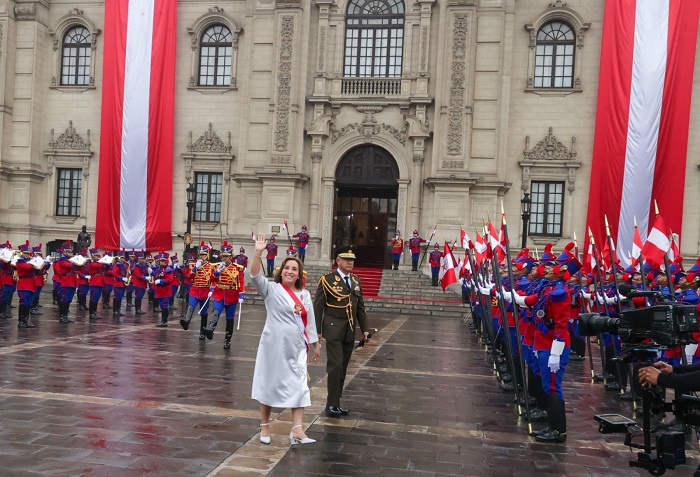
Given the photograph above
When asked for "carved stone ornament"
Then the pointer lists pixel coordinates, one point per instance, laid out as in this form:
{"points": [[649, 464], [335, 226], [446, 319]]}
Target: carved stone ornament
{"points": [[210, 142], [321, 47], [25, 12], [70, 140], [284, 83], [368, 128], [280, 160], [549, 148], [458, 73], [452, 165], [316, 156], [418, 158]]}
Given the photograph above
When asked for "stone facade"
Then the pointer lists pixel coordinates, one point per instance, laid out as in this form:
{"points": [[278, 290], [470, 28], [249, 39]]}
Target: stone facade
{"points": [[461, 122]]}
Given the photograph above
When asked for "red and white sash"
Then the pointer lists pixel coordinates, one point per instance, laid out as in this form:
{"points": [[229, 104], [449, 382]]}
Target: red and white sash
{"points": [[299, 313]]}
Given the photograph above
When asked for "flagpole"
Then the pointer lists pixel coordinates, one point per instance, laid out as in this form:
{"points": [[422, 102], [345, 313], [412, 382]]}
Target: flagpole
{"points": [[671, 290], [584, 307], [604, 310], [427, 247], [516, 315], [611, 248]]}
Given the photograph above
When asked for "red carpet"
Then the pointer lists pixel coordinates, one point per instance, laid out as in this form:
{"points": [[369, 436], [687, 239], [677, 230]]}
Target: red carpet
{"points": [[371, 280]]}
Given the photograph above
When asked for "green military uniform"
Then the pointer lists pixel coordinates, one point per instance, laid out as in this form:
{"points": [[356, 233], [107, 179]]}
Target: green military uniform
{"points": [[339, 309]]}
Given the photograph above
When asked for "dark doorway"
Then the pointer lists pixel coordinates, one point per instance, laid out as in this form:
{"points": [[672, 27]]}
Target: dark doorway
{"points": [[365, 204]]}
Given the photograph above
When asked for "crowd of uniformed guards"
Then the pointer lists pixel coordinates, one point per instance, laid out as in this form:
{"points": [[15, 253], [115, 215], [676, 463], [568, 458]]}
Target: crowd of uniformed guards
{"points": [[550, 291]]}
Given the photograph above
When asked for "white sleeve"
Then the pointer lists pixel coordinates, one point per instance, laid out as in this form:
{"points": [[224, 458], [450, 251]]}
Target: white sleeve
{"points": [[311, 332], [261, 284]]}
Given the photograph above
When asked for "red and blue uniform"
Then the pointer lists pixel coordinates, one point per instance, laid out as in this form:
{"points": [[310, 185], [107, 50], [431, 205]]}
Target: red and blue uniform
{"points": [[303, 242]]}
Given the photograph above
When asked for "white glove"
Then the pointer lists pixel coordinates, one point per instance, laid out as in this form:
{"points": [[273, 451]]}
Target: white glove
{"points": [[149, 279], [221, 266], [553, 363], [610, 300], [587, 296], [88, 277], [690, 350], [124, 279], [507, 296], [485, 290], [198, 264], [150, 270], [520, 300], [160, 281]]}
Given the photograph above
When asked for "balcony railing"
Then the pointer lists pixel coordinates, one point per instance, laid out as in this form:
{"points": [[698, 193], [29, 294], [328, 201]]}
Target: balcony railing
{"points": [[371, 86]]}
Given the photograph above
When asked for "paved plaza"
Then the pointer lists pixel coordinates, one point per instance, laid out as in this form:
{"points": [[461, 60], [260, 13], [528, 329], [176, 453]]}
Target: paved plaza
{"points": [[123, 398]]}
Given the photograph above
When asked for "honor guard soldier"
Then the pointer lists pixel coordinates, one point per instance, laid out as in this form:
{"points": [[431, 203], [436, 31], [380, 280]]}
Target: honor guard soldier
{"points": [[339, 307], [229, 291], [39, 279], [414, 245], [56, 280], [241, 258], [434, 258], [140, 276], [120, 274], [397, 249], [179, 276], [291, 252], [199, 292], [109, 282], [96, 277], [271, 255], [551, 308], [163, 284], [69, 281], [7, 277], [83, 283], [187, 271], [26, 289], [303, 237]]}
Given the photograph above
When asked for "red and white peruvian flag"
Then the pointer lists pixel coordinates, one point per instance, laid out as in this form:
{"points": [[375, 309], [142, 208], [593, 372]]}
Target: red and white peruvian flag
{"points": [[134, 195], [637, 245], [642, 120], [480, 249], [658, 243], [447, 272], [464, 239]]}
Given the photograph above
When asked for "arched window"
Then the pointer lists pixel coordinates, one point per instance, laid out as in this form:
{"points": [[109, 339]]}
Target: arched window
{"points": [[374, 38], [554, 56], [215, 56], [76, 55]]}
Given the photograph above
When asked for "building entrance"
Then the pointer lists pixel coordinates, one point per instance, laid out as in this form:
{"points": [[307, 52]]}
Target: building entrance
{"points": [[365, 205]]}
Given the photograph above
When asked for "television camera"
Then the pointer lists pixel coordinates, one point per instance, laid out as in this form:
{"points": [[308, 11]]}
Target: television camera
{"points": [[642, 333]]}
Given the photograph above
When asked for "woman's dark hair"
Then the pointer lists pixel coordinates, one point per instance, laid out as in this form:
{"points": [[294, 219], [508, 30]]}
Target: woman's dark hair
{"points": [[298, 284]]}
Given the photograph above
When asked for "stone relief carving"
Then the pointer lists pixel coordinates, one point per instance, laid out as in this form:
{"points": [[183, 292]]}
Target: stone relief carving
{"points": [[424, 48], [25, 12], [460, 29], [316, 156], [70, 139], [550, 148], [321, 48], [210, 142], [418, 158], [369, 127], [281, 160], [452, 165], [2, 32], [284, 83]]}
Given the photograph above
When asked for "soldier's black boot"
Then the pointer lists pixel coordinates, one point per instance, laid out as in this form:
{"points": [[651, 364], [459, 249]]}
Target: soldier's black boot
{"points": [[93, 311], [129, 300], [3, 310], [24, 317], [203, 325], [185, 322], [82, 302], [435, 278], [209, 331], [414, 266], [229, 334], [163, 318], [557, 421], [54, 294], [63, 310], [138, 307], [116, 308], [172, 301]]}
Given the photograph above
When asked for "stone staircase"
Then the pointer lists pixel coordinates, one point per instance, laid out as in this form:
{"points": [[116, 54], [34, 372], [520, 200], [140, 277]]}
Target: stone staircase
{"points": [[401, 292]]}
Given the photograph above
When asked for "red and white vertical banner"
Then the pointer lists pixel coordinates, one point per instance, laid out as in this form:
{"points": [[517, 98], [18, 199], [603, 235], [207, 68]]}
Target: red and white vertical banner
{"points": [[134, 196], [641, 134]]}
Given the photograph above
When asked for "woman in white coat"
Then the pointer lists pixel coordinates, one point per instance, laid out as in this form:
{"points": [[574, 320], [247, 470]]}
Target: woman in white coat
{"points": [[280, 378]]}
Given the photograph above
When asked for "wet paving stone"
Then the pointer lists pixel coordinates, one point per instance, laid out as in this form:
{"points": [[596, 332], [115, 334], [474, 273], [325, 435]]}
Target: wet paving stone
{"points": [[123, 398]]}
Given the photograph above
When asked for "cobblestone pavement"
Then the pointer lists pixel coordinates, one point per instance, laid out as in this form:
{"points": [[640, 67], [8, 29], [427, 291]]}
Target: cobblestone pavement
{"points": [[119, 397]]}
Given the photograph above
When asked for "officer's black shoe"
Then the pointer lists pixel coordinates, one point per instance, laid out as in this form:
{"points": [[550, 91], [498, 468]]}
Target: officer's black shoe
{"points": [[35, 311], [551, 436], [613, 386], [531, 401], [209, 333], [140, 312], [344, 412], [201, 335], [541, 431], [507, 387], [227, 344], [162, 324], [65, 319], [506, 378], [185, 324], [333, 411], [626, 396], [93, 316], [576, 357]]}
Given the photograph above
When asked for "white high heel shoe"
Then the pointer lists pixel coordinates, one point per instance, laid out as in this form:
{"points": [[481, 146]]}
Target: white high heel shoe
{"points": [[264, 440], [294, 441]]}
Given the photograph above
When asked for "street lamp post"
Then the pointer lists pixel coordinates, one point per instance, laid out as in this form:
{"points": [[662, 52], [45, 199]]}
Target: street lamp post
{"points": [[191, 189], [525, 203]]}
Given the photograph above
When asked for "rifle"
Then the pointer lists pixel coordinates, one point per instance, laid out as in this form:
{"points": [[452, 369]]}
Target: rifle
{"points": [[427, 247]]}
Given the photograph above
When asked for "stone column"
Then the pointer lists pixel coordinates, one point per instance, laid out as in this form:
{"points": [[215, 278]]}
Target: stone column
{"points": [[327, 230], [416, 190], [314, 205]]}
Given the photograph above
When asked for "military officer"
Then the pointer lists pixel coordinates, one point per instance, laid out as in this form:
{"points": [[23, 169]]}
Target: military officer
{"points": [[303, 237], [69, 281], [26, 289], [228, 293], [241, 258], [199, 292], [339, 307]]}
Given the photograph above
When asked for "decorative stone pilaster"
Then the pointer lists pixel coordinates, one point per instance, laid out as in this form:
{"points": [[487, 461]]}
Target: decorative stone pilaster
{"points": [[418, 133]]}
